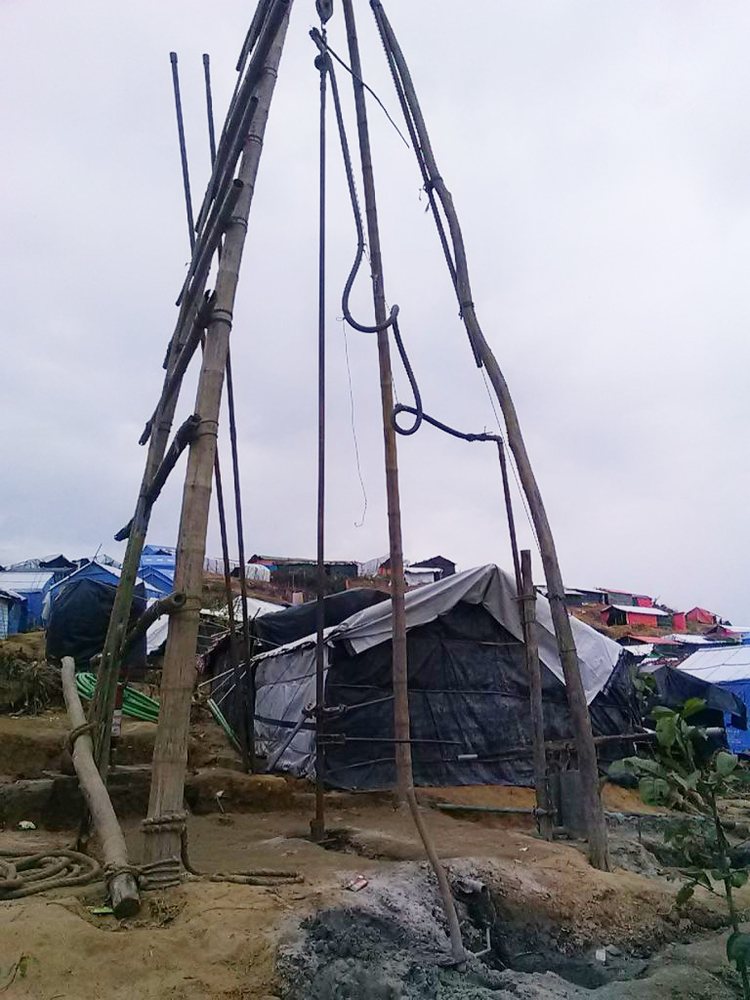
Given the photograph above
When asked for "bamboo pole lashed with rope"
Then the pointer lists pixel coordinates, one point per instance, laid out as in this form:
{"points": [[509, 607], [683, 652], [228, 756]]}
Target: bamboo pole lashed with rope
{"points": [[161, 829], [404, 776], [455, 253]]}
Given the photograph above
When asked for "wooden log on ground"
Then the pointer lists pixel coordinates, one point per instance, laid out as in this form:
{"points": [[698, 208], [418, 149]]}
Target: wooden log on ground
{"points": [[123, 888]]}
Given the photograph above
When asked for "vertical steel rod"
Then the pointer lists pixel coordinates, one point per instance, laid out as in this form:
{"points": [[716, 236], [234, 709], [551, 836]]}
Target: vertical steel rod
{"points": [[318, 824], [509, 514], [234, 660], [209, 107], [527, 598], [183, 148], [247, 691]]}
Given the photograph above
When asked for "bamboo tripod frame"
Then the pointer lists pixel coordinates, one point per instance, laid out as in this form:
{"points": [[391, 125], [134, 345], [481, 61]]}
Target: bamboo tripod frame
{"points": [[227, 219]]}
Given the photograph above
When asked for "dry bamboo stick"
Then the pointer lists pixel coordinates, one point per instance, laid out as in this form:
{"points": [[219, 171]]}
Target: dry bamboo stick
{"points": [[404, 775], [123, 888], [170, 751], [592, 804]]}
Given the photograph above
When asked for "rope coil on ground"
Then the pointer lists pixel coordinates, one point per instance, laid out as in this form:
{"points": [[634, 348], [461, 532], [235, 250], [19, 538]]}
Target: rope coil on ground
{"points": [[23, 874]]}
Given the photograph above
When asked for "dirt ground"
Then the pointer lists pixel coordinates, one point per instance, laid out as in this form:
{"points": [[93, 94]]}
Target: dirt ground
{"points": [[545, 910], [222, 940]]}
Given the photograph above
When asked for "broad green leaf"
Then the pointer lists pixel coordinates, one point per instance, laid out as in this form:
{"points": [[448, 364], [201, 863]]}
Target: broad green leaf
{"points": [[692, 706], [655, 791], [684, 894], [692, 780], [725, 763], [662, 712], [643, 765], [697, 875], [666, 731], [738, 878], [619, 767]]}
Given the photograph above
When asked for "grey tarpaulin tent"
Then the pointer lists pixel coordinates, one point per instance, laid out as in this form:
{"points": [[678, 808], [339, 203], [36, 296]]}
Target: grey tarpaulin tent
{"points": [[467, 688]]}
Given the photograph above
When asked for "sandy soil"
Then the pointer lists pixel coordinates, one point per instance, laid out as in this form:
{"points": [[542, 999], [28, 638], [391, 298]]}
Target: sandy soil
{"points": [[220, 940]]}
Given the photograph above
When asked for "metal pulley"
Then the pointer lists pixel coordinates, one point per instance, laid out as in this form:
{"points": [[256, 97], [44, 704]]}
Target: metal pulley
{"points": [[324, 9]]}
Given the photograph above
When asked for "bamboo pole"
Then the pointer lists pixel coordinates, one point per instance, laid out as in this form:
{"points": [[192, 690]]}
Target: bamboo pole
{"points": [[581, 722], [123, 888], [398, 583], [164, 606], [189, 326], [527, 597], [170, 751], [233, 645], [404, 775]]}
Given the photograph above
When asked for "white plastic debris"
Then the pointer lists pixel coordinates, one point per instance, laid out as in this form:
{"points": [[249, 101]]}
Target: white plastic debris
{"points": [[601, 955], [357, 883], [26, 824]]}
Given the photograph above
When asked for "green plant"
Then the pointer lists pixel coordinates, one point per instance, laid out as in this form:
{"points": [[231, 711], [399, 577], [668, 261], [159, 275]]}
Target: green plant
{"points": [[684, 774]]}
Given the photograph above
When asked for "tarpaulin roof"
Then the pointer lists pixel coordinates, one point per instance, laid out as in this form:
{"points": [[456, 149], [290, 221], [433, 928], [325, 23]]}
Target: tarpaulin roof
{"points": [[496, 592], [729, 663], [635, 609], [26, 582]]}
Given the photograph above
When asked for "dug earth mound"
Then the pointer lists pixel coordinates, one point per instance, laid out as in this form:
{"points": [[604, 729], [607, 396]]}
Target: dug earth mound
{"points": [[391, 943]]}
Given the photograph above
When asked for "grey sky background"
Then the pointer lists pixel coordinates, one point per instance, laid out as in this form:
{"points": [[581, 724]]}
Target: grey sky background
{"points": [[599, 157]]}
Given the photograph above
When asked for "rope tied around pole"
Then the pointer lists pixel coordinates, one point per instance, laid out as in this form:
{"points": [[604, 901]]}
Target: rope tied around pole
{"points": [[87, 727]]}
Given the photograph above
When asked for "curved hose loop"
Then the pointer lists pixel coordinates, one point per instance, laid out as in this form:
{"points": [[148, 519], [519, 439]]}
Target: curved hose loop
{"points": [[360, 252]]}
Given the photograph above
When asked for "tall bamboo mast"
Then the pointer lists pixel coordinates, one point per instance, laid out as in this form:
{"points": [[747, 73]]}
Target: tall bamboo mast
{"points": [[178, 677], [456, 258], [404, 779], [404, 775]]}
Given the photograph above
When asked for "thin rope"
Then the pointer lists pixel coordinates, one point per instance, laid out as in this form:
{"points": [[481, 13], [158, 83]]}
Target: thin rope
{"points": [[320, 40], [357, 524]]}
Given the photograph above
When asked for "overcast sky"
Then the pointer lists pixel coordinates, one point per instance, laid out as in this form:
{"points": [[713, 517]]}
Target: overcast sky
{"points": [[599, 156]]}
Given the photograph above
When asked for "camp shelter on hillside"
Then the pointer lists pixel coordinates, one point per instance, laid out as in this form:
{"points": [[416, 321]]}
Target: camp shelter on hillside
{"points": [[640, 617], [468, 691], [160, 579], [32, 586], [102, 574], [722, 708], [79, 618], [11, 610], [727, 666], [273, 629]]}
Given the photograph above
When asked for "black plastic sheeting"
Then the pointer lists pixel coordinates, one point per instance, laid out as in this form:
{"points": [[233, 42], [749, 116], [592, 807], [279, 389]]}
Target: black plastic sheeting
{"points": [[281, 627], [278, 629], [675, 687], [468, 694], [78, 623]]}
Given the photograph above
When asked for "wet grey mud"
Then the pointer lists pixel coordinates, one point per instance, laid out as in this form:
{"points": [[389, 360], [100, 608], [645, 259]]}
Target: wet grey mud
{"points": [[390, 944]]}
